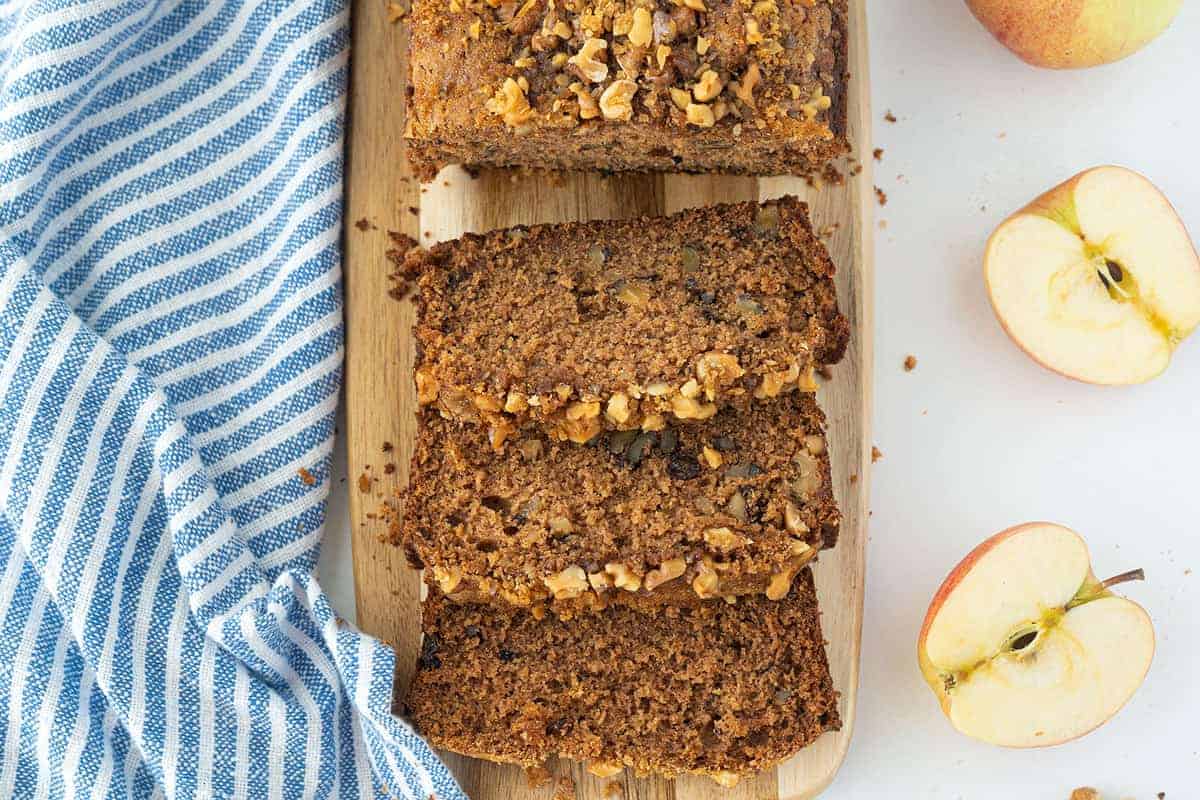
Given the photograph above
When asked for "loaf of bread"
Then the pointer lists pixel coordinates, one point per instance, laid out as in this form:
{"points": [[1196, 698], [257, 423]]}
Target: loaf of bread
{"points": [[716, 689], [741, 86], [624, 324], [736, 506]]}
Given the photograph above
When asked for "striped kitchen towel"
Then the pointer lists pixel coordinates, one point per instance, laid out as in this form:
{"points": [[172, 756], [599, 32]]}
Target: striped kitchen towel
{"points": [[170, 358]]}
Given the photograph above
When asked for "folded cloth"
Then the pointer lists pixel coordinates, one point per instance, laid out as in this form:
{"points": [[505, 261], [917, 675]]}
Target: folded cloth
{"points": [[170, 358]]}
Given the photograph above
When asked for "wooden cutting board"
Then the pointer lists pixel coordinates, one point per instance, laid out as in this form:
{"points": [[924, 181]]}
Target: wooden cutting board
{"points": [[380, 401]]}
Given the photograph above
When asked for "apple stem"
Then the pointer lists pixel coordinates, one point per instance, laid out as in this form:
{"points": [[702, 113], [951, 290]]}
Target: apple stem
{"points": [[1125, 577]]}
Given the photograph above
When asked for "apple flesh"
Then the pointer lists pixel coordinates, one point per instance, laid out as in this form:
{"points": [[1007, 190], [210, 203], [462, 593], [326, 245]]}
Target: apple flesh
{"points": [[1024, 647], [1096, 279], [1070, 34]]}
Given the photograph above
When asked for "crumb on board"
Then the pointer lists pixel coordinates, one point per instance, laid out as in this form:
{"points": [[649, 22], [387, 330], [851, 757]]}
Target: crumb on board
{"points": [[854, 478], [306, 477], [825, 372], [396, 12], [387, 447], [364, 483], [389, 468], [878, 154], [881, 196], [889, 116], [565, 790], [363, 224], [883, 224], [1085, 793], [876, 454], [832, 176], [414, 211], [537, 777], [910, 363]]}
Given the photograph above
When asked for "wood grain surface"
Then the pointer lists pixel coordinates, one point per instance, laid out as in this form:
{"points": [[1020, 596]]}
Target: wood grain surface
{"points": [[380, 400]]}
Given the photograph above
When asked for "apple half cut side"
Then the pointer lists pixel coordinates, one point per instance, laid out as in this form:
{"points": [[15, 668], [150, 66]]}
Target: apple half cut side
{"points": [[1096, 279], [1024, 647]]}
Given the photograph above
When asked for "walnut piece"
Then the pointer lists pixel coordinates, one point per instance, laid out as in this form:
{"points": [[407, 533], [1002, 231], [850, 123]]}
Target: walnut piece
{"points": [[618, 408], [669, 570], [700, 115], [641, 32], [510, 104], [708, 87], [616, 102], [589, 60], [723, 539], [568, 584], [623, 577], [447, 578]]}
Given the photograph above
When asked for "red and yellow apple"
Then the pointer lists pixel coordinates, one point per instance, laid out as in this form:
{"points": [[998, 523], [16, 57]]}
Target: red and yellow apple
{"points": [[1024, 647], [1096, 279], [1069, 34]]}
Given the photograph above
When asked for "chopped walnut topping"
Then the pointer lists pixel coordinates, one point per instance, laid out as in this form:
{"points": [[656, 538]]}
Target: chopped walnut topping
{"points": [[713, 458], [510, 103], [723, 539], [447, 579], [616, 102], [744, 89], [753, 35], [589, 60], [700, 115], [708, 87], [688, 408], [600, 582], [781, 582], [427, 386], [578, 411], [588, 108], [793, 520], [661, 54], [668, 571], [623, 577], [707, 583], [641, 31], [680, 98], [568, 584], [618, 408]]}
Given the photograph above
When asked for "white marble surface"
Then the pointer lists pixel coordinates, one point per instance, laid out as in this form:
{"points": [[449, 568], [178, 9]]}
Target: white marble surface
{"points": [[978, 437]]}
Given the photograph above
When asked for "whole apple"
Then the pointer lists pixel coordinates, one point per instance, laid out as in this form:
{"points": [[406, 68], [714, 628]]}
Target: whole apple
{"points": [[1071, 34]]}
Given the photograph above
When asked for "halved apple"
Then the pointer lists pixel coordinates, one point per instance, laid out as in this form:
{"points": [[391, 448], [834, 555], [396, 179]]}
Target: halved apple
{"points": [[1096, 279], [1024, 647]]}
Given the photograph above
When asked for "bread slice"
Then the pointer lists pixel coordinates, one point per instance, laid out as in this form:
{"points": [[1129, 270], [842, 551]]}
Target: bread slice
{"points": [[623, 324], [716, 689], [706, 86], [737, 506]]}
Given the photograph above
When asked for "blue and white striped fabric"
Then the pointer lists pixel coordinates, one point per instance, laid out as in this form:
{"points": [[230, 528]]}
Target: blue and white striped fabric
{"points": [[170, 357]]}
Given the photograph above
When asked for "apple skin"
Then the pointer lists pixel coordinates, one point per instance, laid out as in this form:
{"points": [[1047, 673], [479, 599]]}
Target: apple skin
{"points": [[1092, 587], [1074, 34], [1058, 204]]}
